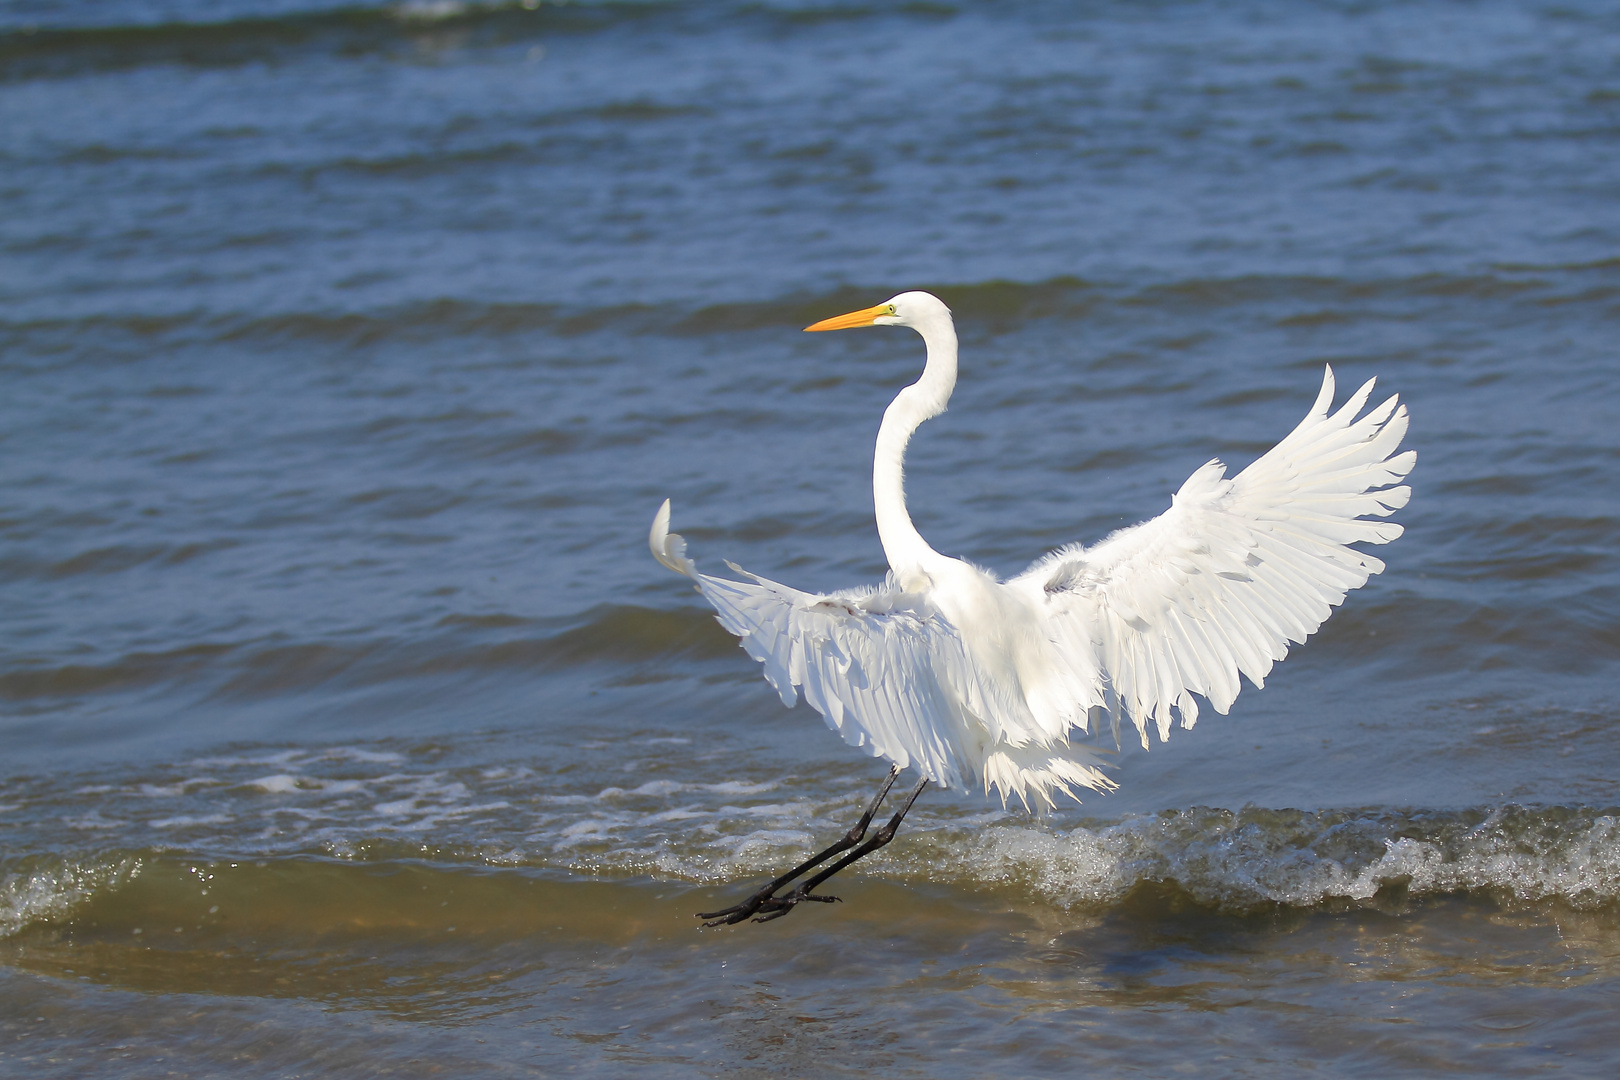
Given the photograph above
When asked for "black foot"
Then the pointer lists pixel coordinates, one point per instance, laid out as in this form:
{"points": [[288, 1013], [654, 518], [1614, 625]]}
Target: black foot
{"points": [[765, 905]]}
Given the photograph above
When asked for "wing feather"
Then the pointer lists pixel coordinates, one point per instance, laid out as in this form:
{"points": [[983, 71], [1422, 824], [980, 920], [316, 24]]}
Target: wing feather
{"points": [[874, 663], [1236, 570]]}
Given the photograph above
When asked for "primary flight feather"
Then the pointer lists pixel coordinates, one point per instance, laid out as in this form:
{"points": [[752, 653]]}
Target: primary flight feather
{"points": [[973, 680]]}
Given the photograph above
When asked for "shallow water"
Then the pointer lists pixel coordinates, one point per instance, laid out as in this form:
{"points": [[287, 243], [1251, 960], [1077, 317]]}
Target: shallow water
{"points": [[347, 728]]}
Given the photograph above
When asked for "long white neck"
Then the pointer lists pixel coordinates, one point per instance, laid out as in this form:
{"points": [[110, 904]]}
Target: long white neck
{"points": [[910, 557]]}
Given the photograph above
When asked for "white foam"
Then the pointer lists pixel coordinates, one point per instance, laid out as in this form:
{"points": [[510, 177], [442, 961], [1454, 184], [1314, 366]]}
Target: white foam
{"points": [[657, 788], [681, 813], [589, 829], [653, 789], [430, 10], [510, 857], [771, 840], [738, 787], [43, 895], [463, 811], [355, 753], [182, 787], [281, 757], [279, 784], [340, 787], [93, 821], [795, 811]]}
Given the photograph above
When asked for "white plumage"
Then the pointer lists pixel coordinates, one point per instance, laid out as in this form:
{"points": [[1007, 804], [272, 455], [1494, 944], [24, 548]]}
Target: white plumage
{"points": [[974, 680]]}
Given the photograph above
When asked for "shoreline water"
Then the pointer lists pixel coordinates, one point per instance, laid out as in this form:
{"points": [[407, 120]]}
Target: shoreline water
{"points": [[349, 349]]}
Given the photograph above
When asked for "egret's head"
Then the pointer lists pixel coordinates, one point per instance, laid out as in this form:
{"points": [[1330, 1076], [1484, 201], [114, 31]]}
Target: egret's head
{"points": [[914, 309]]}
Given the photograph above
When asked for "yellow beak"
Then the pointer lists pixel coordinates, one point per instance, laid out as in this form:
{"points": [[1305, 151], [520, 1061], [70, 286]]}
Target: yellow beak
{"points": [[864, 317]]}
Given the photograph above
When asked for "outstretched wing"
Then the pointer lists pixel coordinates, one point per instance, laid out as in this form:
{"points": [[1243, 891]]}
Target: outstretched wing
{"points": [[1235, 570], [874, 663]]}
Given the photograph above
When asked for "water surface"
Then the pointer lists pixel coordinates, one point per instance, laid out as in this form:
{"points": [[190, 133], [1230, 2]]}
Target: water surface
{"points": [[347, 728]]}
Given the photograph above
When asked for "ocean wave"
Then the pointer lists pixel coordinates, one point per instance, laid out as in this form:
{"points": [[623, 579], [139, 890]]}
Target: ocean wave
{"points": [[1235, 863], [35, 51], [77, 43], [1241, 860], [607, 634], [651, 806], [381, 805], [1404, 637], [994, 302]]}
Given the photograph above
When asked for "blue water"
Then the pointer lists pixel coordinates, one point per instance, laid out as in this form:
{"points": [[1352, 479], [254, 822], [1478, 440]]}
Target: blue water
{"points": [[347, 352]]}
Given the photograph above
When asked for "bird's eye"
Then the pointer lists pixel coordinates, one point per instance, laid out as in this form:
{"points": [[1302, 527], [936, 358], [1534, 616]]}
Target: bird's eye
{"points": [[891, 309]]}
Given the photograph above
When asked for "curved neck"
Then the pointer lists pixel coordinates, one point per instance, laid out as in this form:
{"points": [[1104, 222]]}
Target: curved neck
{"points": [[908, 553]]}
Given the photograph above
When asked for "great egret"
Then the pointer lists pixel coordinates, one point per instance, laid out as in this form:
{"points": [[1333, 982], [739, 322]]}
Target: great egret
{"points": [[968, 678]]}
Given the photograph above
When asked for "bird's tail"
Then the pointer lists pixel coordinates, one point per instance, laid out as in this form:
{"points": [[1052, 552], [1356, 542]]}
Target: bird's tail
{"points": [[1034, 774]]}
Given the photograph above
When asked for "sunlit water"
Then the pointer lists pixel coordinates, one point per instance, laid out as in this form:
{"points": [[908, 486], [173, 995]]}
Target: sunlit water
{"points": [[349, 729]]}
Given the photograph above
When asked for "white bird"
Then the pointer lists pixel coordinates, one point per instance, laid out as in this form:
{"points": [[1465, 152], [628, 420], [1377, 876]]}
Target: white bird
{"points": [[974, 680]]}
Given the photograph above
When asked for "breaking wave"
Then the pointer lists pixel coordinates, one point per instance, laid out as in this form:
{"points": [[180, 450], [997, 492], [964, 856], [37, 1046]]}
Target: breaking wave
{"points": [[1255, 857], [51, 890], [368, 809]]}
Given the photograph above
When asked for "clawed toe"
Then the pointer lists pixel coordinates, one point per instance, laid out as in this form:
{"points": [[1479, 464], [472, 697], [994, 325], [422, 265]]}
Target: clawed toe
{"points": [[726, 921], [722, 918], [734, 914], [763, 908], [778, 906]]}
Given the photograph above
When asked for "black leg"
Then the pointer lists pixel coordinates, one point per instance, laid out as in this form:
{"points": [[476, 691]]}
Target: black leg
{"points": [[737, 913], [774, 907]]}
